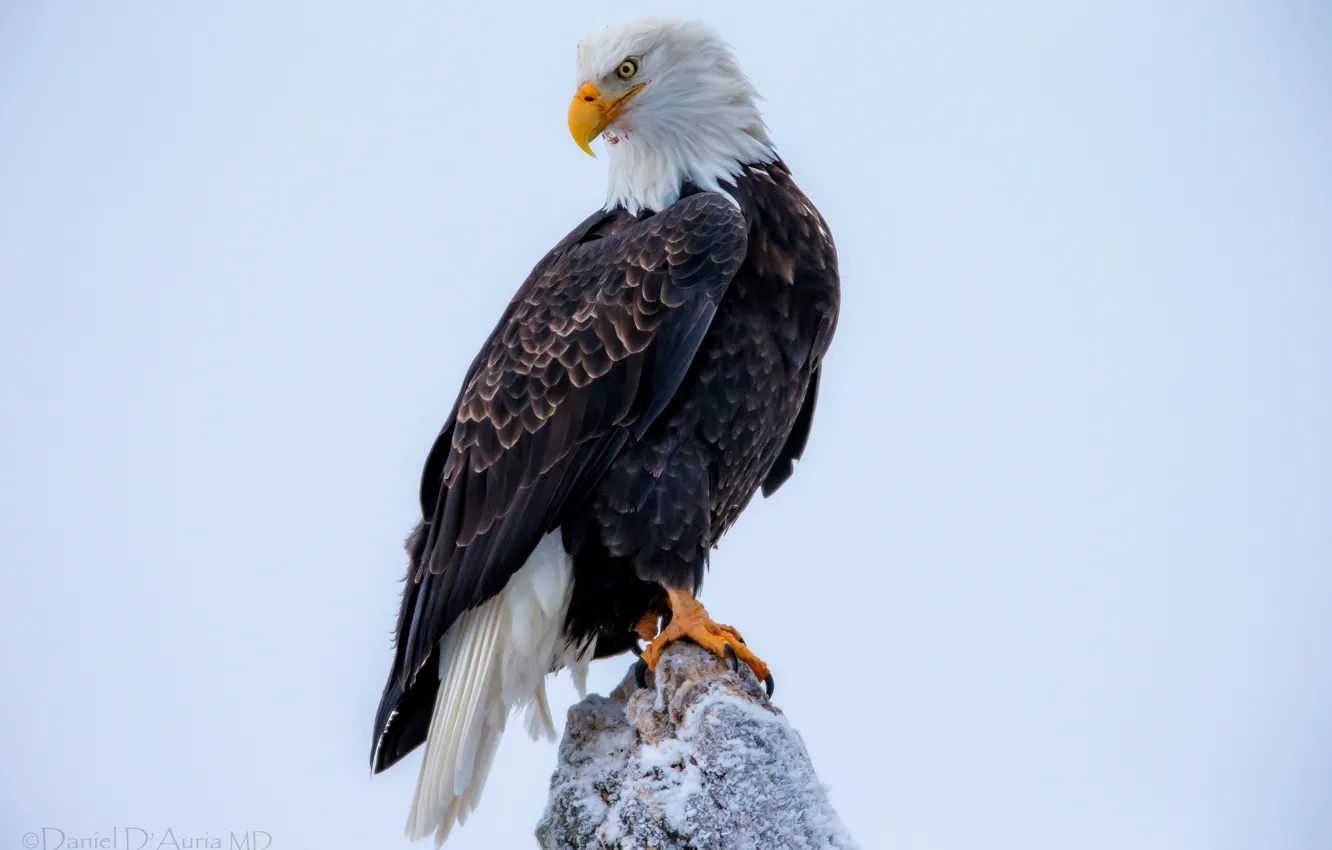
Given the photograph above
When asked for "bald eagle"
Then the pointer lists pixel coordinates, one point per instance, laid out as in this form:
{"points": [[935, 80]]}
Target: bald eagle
{"points": [[657, 368]]}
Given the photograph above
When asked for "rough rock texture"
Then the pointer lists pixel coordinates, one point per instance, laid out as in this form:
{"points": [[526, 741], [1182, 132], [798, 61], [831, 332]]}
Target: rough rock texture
{"points": [[702, 760]]}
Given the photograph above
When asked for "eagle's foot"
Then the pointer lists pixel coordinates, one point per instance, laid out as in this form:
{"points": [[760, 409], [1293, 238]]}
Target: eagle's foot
{"points": [[648, 626], [690, 620]]}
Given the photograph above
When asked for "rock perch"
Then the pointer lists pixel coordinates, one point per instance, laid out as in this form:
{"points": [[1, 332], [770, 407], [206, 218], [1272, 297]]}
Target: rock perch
{"points": [[701, 760]]}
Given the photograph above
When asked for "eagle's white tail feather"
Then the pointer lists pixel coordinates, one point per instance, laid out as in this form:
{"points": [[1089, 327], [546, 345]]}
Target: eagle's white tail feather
{"points": [[466, 693], [492, 660]]}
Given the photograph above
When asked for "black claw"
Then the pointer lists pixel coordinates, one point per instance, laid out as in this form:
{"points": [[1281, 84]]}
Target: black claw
{"points": [[636, 648], [640, 674], [731, 660], [769, 685]]}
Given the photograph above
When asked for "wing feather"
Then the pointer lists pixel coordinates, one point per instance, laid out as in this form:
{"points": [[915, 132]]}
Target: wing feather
{"points": [[795, 444]]}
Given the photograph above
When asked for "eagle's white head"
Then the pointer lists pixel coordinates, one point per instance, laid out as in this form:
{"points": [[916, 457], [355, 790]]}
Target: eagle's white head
{"points": [[672, 105]]}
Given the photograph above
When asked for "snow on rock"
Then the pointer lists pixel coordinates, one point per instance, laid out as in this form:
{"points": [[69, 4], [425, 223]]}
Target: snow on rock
{"points": [[702, 760]]}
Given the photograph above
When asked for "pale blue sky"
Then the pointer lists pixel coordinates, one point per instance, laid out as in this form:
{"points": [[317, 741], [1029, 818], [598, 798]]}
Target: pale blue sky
{"points": [[1056, 571]]}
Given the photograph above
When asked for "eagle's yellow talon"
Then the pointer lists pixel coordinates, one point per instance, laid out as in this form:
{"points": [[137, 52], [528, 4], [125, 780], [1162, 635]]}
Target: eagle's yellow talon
{"points": [[731, 630], [690, 620]]}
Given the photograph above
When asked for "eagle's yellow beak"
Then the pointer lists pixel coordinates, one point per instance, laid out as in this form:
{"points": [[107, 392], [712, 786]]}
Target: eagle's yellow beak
{"points": [[590, 113]]}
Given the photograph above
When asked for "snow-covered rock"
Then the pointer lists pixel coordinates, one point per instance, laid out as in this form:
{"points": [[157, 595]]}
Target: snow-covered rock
{"points": [[702, 760]]}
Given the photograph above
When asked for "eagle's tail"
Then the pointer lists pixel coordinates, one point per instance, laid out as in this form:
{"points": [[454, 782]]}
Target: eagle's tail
{"points": [[493, 659]]}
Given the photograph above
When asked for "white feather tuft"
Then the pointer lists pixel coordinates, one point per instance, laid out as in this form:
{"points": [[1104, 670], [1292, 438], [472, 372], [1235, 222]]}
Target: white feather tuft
{"points": [[540, 725], [578, 670]]}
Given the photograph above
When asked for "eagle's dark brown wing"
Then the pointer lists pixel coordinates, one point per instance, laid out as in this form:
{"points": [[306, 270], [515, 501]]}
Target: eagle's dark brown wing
{"points": [[795, 444], [588, 353]]}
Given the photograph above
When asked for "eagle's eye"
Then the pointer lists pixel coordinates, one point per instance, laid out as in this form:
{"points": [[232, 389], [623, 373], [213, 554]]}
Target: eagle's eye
{"points": [[627, 68]]}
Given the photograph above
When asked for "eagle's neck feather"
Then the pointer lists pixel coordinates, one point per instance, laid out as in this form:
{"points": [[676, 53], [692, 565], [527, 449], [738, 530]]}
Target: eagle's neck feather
{"points": [[702, 140]]}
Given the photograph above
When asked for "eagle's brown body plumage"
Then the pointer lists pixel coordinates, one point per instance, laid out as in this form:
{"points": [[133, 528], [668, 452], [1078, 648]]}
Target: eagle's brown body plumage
{"points": [[651, 375]]}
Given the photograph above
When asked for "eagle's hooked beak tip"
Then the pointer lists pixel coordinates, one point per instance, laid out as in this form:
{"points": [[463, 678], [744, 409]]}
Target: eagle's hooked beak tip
{"points": [[588, 116]]}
